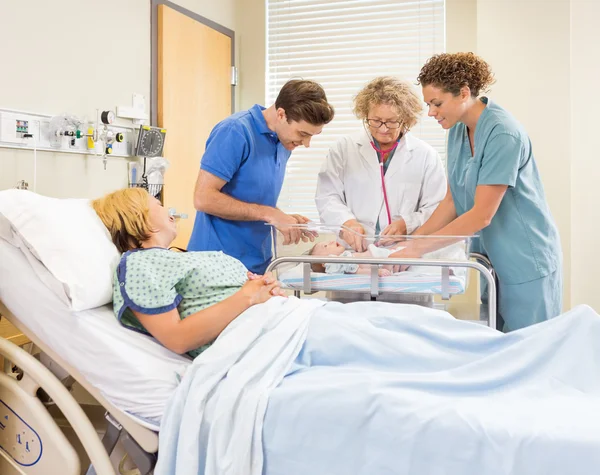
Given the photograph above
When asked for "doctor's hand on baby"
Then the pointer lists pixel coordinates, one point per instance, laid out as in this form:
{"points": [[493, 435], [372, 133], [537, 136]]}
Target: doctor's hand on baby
{"points": [[260, 288], [390, 234], [353, 235]]}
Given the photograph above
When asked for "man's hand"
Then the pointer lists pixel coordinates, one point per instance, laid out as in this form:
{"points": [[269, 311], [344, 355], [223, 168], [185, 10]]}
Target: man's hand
{"points": [[285, 223], [353, 235]]}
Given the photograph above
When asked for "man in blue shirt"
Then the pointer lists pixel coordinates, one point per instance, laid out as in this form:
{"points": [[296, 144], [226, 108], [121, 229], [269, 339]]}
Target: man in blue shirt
{"points": [[242, 172]]}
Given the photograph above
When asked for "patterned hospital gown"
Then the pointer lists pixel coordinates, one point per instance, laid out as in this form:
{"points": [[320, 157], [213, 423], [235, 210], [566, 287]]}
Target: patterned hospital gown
{"points": [[156, 280], [331, 268]]}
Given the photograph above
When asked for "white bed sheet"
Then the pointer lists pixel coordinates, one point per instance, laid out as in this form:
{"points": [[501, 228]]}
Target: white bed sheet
{"points": [[404, 282], [131, 370]]}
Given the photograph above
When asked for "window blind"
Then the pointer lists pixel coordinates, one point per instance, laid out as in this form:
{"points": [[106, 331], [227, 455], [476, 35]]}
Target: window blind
{"points": [[343, 44]]}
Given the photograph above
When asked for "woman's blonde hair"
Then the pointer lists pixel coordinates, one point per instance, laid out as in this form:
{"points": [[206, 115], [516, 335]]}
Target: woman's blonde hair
{"points": [[126, 215], [392, 91]]}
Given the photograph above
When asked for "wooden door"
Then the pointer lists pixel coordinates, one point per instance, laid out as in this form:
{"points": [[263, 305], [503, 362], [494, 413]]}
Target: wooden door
{"points": [[194, 94]]}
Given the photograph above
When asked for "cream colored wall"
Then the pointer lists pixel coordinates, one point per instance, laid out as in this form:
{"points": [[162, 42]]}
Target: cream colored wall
{"points": [[74, 56], [251, 31], [461, 25], [221, 12], [531, 60], [585, 158]]}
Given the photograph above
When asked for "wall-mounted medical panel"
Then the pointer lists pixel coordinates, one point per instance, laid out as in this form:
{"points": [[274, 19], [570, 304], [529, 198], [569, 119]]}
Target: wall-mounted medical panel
{"points": [[66, 133]]}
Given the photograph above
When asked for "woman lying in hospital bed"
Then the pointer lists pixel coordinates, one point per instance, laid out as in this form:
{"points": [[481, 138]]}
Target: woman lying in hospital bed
{"points": [[184, 300], [283, 385]]}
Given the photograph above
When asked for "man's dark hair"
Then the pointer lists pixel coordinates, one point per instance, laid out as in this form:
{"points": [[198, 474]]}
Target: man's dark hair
{"points": [[304, 100]]}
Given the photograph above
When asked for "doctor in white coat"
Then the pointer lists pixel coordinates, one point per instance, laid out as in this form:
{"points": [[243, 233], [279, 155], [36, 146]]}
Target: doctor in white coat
{"points": [[383, 180]]}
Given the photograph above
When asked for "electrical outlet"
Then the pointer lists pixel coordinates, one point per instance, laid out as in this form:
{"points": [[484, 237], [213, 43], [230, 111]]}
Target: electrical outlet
{"points": [[8, 129], [22, 127]]}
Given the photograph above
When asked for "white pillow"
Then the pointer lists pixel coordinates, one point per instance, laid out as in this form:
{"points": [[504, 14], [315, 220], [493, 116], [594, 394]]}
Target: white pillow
{"points": [[67, 236]]}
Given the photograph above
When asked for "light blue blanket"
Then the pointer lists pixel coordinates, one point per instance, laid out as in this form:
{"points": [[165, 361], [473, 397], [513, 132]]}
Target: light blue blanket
{"points": [[382, 388]]}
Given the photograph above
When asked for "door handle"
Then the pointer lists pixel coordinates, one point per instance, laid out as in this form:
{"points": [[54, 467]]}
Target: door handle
{"points": [[173, 212]]}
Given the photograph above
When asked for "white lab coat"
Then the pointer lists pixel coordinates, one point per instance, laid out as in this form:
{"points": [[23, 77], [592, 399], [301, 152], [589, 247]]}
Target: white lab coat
{"points": [[349, 183]]}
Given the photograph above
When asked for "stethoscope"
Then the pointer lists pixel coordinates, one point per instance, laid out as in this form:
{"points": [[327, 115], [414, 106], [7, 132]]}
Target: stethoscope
{"points": [[380, 156]]}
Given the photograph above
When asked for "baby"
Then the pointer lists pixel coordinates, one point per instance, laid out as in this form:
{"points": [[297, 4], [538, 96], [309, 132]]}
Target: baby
{"points": [[334, 248]]}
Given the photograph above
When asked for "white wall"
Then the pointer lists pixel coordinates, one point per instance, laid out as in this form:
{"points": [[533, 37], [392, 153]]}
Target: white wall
{"points": [[221, 12], [75, 56], [585, 158], [527, 44], [461, 26], [251, 31]]}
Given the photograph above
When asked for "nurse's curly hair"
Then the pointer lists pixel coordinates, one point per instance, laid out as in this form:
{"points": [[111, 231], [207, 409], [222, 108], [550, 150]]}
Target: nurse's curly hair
{"points": [[391, 91], [453, 71], [126, 214]]}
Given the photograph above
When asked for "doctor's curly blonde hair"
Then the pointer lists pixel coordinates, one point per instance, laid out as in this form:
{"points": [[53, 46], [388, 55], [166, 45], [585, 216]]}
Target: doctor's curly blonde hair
{"points": [[392, 91], [453, 71]]}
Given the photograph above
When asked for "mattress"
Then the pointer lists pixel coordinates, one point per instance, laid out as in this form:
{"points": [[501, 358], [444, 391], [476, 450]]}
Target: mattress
{"points": [[403, 282], [131, 370]]}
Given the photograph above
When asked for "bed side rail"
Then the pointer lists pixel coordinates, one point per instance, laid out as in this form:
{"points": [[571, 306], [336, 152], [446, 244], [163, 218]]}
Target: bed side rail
{"points": [[34, 436], [146, 438], [445, 265]]}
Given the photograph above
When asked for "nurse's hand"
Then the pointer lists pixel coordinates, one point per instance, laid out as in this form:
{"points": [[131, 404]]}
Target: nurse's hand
{"points": [[396, 228], [354, 239], [409, 252]]}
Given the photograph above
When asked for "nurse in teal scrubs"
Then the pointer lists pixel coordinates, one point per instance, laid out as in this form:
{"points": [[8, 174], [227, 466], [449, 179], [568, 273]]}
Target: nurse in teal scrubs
{"points": [[494, 189]]}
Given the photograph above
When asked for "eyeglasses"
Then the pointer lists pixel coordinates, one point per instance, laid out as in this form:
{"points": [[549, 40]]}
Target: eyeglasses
{"points": [[390, 124]]}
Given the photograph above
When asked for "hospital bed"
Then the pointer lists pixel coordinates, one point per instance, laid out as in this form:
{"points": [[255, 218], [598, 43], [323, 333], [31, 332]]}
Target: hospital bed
{"points": [[129, 374], [118, 384], [443, 273]]}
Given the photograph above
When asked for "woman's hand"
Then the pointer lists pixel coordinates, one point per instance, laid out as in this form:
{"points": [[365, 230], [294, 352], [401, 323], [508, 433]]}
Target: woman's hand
{"points": [[268, 277], [354, 239], [259, 289], [409, 252]]}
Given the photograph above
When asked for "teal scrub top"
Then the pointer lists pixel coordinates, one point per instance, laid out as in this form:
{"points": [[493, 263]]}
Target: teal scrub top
{"points": [[522, 241]]}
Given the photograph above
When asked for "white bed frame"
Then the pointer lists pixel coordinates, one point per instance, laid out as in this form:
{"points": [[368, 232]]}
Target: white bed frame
{"points": [[57, 456]]}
